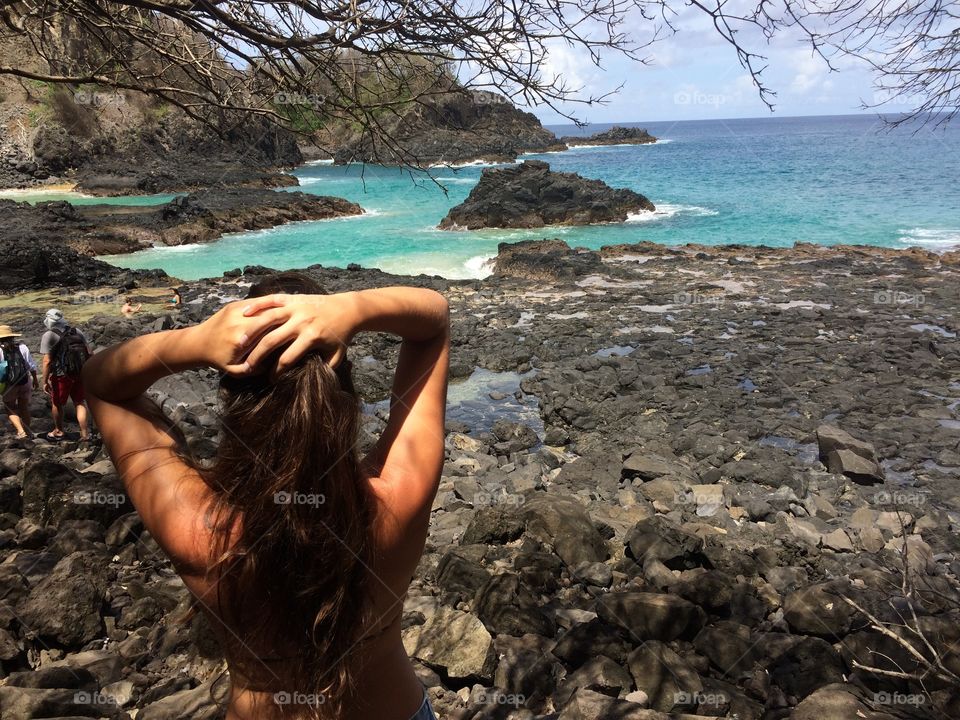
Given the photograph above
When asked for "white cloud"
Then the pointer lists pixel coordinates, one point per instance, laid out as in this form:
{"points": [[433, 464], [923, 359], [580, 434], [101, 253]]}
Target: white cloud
{"points": [[810, 71]]}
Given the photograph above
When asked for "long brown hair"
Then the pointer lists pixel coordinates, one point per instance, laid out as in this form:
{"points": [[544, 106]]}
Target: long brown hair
{"points": [[291, 523]]}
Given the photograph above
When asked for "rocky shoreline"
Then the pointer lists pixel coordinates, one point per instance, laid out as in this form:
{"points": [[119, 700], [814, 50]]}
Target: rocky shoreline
{"points": [[63, 238], [680, 483]]}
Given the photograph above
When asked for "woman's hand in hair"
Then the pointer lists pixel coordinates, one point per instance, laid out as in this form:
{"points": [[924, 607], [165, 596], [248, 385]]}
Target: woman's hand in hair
{"points": [[304, 323], [227, 336]]}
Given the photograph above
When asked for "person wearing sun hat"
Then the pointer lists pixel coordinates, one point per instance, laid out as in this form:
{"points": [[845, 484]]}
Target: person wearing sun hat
{"points": [[16, 370]]}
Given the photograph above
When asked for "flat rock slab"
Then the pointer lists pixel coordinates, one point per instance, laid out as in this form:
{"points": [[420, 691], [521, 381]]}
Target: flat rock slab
{"points": [[454, 641]]}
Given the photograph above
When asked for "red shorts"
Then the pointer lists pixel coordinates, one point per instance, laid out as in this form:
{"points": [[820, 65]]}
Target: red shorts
{"points": [[65, 386]]}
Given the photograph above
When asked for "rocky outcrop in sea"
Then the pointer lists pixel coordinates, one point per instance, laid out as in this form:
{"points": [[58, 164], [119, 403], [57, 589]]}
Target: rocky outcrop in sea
{"points": [[680, 483], [531, 195], [616, 135]]}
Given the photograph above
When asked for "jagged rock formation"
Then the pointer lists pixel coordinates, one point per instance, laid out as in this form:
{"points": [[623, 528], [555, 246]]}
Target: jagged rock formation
{"points": [[531, 195], [614, 136]]}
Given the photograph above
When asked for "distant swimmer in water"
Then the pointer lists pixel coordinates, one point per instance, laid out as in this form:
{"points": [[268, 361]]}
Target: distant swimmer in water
{"points": [[297, 548]]}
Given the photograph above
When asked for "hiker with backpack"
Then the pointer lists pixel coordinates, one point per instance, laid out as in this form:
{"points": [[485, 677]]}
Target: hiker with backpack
{"points": [[18, 380], [64, 351]]}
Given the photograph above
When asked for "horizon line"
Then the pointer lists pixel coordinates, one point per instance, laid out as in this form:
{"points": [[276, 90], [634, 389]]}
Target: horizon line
{"points": [[772, 116]]}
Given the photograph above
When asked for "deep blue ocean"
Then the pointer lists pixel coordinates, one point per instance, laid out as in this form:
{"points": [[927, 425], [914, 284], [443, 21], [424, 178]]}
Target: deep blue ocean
{"points": [[771, 181]]}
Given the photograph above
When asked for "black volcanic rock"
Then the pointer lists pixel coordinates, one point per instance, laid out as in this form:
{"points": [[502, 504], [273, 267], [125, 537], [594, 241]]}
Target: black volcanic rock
{"points": [[177, 156], [686, 524], [531, 195], [615, 136], [50, 244], [544, 260]]}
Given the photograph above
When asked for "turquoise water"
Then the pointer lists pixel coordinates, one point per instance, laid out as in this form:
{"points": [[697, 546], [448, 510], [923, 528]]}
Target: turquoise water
{"points": [[769, 181]]}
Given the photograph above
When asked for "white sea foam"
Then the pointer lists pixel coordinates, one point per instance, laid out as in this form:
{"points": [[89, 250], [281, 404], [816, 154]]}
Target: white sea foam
{"points": [[543, 152], [438, 263], [310, 181], [328, 161], [472, 163], [933, 238], [479, 266], [665, 211], [457, 180], [659, 141]]}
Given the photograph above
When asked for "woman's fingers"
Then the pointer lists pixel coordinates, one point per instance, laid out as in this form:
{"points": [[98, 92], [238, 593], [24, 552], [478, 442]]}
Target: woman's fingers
{"points": [[256, 305], [237, 369], [270, 342], [337, 356], [298, 348], [256, 326]]}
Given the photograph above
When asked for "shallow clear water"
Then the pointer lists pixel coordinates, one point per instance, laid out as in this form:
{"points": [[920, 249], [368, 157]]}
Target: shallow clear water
{"points": [[483, 398], [768, 181]]}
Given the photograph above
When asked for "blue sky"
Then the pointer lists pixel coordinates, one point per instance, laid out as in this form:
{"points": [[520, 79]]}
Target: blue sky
{"points": [[695, 75]]}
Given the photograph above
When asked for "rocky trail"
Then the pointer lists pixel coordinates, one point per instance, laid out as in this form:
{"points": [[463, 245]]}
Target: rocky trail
{"points": [[680, 483]]}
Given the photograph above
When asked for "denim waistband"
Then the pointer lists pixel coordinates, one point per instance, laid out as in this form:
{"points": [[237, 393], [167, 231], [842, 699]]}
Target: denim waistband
{"points": [[426, 710]]}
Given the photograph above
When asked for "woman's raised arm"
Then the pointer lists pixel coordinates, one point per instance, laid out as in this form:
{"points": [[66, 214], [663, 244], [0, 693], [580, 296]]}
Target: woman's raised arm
{"points": [[409, 454], [143, 444], [126, 370]]}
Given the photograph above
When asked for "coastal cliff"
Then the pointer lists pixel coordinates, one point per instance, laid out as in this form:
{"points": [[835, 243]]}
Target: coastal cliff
{"points": [[458, 127]]}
